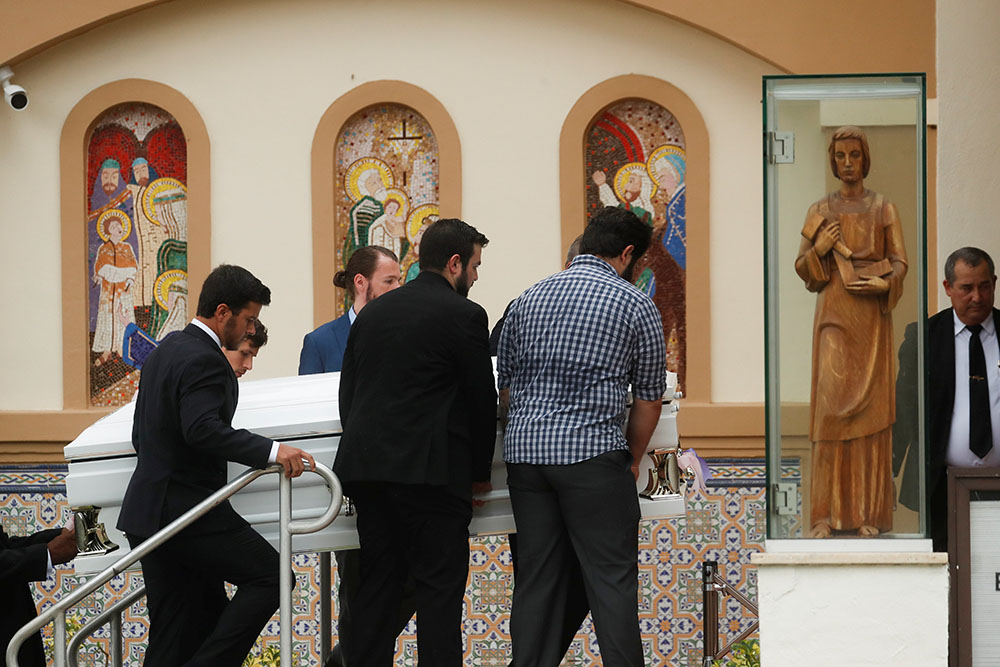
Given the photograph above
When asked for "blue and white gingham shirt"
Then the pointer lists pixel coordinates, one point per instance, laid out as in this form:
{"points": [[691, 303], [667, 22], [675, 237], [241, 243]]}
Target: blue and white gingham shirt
{"points": [[570, 347]]}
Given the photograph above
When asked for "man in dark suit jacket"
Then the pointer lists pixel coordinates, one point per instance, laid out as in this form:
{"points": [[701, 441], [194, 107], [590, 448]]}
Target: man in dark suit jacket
{"points": [[370, 272], [183, 436], [25, 559], [970, 282], [418, 407]]}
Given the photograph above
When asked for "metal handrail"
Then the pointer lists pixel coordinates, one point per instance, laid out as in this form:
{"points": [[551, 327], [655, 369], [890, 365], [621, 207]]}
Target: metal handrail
{"points": [[712, 584], [57, 612]]}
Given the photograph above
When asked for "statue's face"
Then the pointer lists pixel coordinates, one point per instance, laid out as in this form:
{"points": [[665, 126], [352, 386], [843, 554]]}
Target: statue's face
{"points": [[850, 160]]}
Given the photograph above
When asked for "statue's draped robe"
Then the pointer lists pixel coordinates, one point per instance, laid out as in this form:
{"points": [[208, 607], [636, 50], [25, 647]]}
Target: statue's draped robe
{"points": [[852, 406]]}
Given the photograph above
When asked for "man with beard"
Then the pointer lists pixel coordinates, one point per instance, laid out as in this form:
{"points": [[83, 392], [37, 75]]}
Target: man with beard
{"points": [[370, 272], [571, 346], [418, 408], [183, 438]]}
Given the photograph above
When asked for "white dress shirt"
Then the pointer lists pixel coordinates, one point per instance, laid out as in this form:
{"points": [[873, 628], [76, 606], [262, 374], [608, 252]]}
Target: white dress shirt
{"points": [[273, 456], [959, 453]]}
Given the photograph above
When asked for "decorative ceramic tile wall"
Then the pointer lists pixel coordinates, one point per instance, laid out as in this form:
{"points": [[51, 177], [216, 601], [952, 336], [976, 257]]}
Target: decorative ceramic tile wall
{"points": [[726, 524]]}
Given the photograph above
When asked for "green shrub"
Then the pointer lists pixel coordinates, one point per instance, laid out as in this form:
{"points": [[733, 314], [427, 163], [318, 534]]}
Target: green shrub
{"points": [[744, 654]]}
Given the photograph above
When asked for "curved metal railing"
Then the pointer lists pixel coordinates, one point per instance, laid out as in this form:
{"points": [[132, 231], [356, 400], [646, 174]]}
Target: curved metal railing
{"points": [[288, 527]]}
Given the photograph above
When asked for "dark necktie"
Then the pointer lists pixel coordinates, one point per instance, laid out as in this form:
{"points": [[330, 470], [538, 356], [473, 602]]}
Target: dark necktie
{"points": [[980, 426]]}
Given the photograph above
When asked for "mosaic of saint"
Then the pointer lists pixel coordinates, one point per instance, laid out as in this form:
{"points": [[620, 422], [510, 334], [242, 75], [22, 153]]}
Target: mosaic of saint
{"points": [[137, 243], [635, 159], [386, 184]]}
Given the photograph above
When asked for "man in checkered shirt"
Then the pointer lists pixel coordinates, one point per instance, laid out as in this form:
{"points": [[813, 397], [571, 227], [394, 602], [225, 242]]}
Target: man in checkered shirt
{"points": [[570, 348]]}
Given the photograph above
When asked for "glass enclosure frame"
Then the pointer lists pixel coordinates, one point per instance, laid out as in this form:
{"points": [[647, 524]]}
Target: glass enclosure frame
{"points": [[896, 100]]}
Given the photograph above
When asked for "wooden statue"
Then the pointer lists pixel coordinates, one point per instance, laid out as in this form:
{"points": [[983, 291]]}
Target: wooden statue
{"points": [[852, 256]]}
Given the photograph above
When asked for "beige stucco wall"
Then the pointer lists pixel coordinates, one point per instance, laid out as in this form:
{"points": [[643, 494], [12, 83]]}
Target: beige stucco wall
{"points": [[261, 77], [968, 56]]}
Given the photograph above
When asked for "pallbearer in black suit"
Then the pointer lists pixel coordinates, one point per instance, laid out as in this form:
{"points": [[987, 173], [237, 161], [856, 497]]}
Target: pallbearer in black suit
{"points": [[183, 437], [25, 559], [418, 407], [963, 388]]}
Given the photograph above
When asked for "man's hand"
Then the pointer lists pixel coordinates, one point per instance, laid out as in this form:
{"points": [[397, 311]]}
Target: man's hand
{"points": [[62, 548], [635, 470], [291, 459], [478, 489], [599, 178]]}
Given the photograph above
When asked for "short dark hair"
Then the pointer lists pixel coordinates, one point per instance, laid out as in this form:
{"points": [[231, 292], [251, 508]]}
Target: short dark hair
{"points": [[232, 285], [258, 338], [611, 230], [447, 237], [363, 261], [971, 256], [574, 249]]}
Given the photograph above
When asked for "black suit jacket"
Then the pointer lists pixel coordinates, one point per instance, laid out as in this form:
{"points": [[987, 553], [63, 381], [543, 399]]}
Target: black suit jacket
{"points": [[940, 401], [22, 560], [417, 394], [183, 436]]}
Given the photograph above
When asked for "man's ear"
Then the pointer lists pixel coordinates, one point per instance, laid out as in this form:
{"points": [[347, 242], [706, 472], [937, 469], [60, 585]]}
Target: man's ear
{"points": [[454, 265], [222, 310], [359, 283], [627, 253]]}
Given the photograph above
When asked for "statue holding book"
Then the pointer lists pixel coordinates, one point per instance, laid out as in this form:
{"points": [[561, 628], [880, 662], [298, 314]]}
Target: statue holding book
{"points": [[852, 255]]}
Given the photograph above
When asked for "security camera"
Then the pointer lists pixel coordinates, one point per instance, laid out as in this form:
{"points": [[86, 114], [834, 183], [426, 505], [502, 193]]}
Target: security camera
{"points": [[14, 95]]}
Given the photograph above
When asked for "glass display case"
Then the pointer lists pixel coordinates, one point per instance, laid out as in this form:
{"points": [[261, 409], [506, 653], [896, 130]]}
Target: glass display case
{"points": [[845, 275]]}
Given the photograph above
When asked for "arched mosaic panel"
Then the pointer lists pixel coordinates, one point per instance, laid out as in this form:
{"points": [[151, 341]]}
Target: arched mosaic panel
{"points": [[386, 189], [137, 243], [636, 159]]}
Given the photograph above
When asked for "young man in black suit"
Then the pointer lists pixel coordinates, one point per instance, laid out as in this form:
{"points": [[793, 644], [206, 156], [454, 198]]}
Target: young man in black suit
{"points": [[418, 407], [25, 559], [183, 437], [961, 432]]}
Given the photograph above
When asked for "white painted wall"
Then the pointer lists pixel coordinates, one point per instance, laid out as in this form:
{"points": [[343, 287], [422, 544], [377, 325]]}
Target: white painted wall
{"points": [[837, 609], [968, 187], [262, 73]]}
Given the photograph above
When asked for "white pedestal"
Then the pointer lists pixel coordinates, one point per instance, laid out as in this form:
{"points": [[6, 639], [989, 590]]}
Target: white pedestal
{"points": [[848, 607]]}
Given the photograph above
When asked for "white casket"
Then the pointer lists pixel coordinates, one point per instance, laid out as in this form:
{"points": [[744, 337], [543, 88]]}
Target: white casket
{"points": [[300, 410]]}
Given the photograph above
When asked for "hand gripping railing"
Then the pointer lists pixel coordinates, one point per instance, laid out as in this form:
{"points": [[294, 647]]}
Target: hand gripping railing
{"points": [[57, 612]]}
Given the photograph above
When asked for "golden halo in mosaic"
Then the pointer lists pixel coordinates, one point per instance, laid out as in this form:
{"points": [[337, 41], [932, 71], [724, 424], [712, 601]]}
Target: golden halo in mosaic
{"points": [[674, 155], [625, 172], [166, 280], [419, 217], [113, 214], [359, 171], [160, 191], [398, 196]]}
